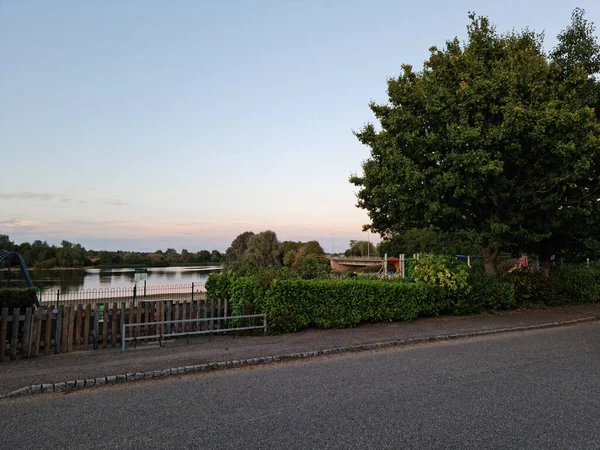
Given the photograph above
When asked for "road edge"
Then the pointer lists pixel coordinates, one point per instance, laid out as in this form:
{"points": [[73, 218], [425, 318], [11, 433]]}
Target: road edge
{"points": [[77, 385]]}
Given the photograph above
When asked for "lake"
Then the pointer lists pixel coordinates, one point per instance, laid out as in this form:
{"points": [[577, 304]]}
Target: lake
{"points": [[111, 278]]}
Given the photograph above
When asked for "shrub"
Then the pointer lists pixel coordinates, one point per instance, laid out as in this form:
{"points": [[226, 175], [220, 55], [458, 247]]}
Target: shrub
{"points": [[575, 285], [440, 271], [313, 266], [486, 294], [567, 285], [218, 286], [531, 288], [292, 305], [409, 268], [17, 298], [245, 294]]}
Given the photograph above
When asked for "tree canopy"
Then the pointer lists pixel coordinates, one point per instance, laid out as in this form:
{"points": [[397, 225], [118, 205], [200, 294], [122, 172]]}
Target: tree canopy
{"points": [[250, 251], [42, 255], [361, 248], [493, 137]]}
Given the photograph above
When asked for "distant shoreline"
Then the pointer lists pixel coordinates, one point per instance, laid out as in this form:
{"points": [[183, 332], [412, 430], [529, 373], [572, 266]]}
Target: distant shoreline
{"points": [[119, 266]]}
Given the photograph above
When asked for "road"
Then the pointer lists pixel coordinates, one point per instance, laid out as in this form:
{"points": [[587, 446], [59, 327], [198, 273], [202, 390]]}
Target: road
{"points": [[535, 389]]}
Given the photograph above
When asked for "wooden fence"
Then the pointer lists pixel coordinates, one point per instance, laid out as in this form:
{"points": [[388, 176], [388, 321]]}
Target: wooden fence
{"points": [[69, 328]]}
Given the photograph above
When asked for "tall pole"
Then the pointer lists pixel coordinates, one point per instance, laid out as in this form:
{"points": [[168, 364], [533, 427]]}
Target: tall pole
{"points": [[368, 245]]}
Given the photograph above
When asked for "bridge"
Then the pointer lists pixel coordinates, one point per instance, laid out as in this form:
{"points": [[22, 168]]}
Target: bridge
{"points": [[349, 263]]}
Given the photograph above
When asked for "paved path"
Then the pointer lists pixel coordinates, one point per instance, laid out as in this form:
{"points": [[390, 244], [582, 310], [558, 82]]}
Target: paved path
{"points": [[150, 357], [535, 389]]}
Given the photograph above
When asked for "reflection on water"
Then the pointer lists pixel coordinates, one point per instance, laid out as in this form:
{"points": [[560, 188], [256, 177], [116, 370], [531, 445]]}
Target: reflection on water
{"points": [[109, 278]]}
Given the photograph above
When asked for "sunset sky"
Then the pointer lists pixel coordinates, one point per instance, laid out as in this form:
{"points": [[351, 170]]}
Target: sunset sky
{"points": [[141, 124]]}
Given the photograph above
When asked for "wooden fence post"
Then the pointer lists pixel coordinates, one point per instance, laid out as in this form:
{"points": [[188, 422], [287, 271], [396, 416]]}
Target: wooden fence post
{"points": [[15, 333], [48, 337], [58, 332], [105, 326], [177, 317], [37, 331], [138, 329], [147, 317], [3, 331], [26, 333], [169, 315], [70, 328], [157, 318], [64, 339], [78, 328], [193, 315], [96, 329], [113, 331], [86, 326], [121, 322], [131, 320]]}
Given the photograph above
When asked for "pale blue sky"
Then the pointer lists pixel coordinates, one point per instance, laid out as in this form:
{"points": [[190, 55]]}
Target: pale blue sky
{"points": [[147, 124]]}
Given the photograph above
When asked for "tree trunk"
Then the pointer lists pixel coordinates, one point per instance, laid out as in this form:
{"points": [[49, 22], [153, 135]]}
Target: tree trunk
{"points": [[546, 264], [489, 261]]}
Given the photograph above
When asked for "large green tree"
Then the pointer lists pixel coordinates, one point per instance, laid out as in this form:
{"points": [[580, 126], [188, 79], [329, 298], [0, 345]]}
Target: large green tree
{"points": [[361, 248], [427, 240], [235, 252], [5, 243], [576, 228], [262, 251], [491, 138]]}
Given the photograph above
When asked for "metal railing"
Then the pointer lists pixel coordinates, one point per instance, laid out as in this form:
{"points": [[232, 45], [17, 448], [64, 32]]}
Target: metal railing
{"points": [[175, 293], [357, 258], [160, 335]]}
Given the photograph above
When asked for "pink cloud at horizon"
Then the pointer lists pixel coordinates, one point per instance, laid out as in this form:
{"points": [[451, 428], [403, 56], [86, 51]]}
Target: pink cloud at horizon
{"points": [[131, 233]]}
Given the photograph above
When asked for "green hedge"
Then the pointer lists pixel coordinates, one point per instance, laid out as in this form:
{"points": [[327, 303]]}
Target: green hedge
{"points": [[486, 294], [576, 285], [292, 305], [17, 298], [218, 286], [245, 294], [566, 286]]}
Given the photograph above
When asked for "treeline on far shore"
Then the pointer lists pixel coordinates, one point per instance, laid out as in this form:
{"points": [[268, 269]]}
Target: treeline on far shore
{"points": [[41, 255]]}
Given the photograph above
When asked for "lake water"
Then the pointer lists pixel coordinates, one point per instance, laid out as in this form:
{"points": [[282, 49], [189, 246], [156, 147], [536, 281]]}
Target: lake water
{"points": [[112, 278]]}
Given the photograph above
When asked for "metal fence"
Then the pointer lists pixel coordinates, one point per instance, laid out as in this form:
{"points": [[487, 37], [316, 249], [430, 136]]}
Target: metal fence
{"points": [[173, 293], [168, 328], [69, 328]]}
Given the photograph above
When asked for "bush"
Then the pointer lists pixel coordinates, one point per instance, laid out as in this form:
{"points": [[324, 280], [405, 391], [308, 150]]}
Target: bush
{"points": [[440, 271], [292, 305], [486, 294], [267, 275], [566, 286], [532, 288], [313, 266], [409, 268], [17, 298], [218, 286], [245, 295], [575, 286]]}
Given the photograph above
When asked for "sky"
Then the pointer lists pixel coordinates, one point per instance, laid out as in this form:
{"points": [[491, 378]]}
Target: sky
{"points": [[141, 124]]}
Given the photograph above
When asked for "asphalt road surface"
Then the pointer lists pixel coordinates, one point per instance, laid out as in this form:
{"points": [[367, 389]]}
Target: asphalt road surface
{"points": [[535, 389]]}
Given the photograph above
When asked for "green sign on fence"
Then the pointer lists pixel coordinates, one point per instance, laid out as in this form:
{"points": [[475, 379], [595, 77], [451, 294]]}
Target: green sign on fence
{"points": [[140, 274]]}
